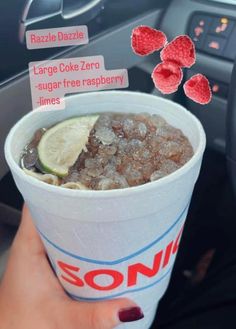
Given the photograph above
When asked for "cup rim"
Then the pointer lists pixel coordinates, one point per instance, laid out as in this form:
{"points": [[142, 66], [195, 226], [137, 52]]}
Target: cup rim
{"points": [[114, 192]]}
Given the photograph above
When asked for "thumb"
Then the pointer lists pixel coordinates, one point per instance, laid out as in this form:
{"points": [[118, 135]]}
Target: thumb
{"points": [[104, 314]]}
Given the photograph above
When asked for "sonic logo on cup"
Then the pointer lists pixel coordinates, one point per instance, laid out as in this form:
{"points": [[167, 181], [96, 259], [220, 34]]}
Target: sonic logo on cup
{"points": [[128, 276]]}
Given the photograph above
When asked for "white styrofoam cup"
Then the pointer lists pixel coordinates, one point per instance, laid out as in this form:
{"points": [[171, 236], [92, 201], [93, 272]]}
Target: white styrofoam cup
{"points": [[117, 243]]}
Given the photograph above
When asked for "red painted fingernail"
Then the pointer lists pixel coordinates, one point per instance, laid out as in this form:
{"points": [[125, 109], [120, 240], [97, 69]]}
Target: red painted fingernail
{"points": [[131, 314]]}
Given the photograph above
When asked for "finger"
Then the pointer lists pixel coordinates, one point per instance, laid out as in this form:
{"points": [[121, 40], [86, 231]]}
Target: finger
{"points": [[27, 235], [105, 314], [28, 255]]}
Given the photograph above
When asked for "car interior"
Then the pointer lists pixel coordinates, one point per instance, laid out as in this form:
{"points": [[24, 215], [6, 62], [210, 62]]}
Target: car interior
{"points": [[202, 291]]}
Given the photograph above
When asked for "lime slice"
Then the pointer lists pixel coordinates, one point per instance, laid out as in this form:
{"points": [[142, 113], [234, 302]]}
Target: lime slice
{"points": [[61, 145]]}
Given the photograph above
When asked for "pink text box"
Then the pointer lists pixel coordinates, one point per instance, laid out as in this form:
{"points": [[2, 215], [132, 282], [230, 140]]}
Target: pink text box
{"points": [[57, 37], [51, 80]]}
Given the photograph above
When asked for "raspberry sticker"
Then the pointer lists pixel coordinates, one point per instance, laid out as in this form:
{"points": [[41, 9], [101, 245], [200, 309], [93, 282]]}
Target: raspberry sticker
{"points": [[181, 51], [145, 40], [177, 54], [167, 76], [198, 89]]}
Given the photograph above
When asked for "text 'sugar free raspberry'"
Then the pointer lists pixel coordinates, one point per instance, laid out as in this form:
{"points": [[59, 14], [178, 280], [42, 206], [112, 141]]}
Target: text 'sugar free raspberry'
{"points": [[145, 40], [198, 89], [167, 76]]}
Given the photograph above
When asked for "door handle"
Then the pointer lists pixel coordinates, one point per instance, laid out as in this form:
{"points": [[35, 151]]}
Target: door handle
{"points": [[71, 11], [39, 10], [35, 11]]}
